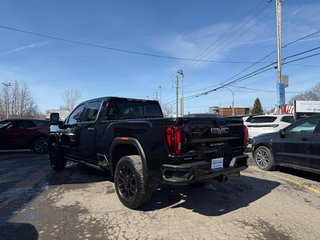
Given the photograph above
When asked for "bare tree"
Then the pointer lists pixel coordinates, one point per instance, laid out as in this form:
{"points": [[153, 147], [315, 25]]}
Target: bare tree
{"points": [[16, 101], [313, 94], [167, 109], [70, 98]]}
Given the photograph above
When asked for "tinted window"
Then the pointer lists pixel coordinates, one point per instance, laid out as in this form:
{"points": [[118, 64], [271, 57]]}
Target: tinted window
{"points": [[91, 111], [304, 127], [263, 119], [127, 110], [23, 124], [76, 115], [44, 124], [288, 119], [6, 124]]}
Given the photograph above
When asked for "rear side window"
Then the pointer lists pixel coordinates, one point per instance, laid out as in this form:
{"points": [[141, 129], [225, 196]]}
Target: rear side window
{"points": [[263, 119], [91, 111], [288, 119], [132, 110], [42, 124], [23, 124]]}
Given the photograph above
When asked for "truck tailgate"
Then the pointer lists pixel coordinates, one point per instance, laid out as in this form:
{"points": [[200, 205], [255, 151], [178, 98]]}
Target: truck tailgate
{"points": [[212, 137]]}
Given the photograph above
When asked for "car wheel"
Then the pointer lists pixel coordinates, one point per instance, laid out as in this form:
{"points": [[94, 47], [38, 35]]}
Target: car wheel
{"points": [[57, 161], [264, 158], [40, 145], [130, 183]]}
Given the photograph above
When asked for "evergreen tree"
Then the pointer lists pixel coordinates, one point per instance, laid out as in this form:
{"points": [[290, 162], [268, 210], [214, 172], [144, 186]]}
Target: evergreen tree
{"points": [[257, 108]]}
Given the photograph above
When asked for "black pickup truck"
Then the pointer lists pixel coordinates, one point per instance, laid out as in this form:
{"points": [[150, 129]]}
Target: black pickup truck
{"points": [[131, 139]]}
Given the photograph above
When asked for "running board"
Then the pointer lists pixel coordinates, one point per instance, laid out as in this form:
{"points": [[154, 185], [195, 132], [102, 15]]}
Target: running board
{"points": [[85, 163], [103, 161]]}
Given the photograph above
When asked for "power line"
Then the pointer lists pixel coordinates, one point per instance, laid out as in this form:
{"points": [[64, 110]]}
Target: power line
{"points": [[260, 90], [223, 45], [119, 49], [189, 64], [229, 31], [257, 72]]}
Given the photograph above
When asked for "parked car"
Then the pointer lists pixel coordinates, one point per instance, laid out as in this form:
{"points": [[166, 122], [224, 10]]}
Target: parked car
{"points": [[24, 133], [267, 123], [296, 146]]}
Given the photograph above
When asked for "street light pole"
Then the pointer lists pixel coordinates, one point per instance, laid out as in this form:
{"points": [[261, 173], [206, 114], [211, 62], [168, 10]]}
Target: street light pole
{"points": [[7, 85]]}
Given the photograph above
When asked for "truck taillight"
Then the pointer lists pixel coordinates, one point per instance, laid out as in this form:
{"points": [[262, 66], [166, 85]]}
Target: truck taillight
{"points": [[173, 135], [245, 135]]}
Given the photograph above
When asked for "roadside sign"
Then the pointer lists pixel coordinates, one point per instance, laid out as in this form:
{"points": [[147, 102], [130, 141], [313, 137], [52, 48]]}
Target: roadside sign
{"points": [[281, 94]]}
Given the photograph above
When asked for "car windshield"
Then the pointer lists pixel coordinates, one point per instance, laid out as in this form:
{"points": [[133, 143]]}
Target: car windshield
{"points": [[4, 125]]}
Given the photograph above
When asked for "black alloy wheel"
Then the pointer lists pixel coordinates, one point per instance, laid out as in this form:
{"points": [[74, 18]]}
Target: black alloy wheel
{"points": [[131, 188], [127, 183]]}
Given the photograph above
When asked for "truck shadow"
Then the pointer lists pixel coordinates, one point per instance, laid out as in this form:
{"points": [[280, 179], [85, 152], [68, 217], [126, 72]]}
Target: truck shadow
{"points": [[11, 231], [213, 199], [75, 173]]}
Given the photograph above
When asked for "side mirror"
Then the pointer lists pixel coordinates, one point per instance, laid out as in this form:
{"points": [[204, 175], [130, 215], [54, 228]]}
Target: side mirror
{"points": [[282, 133], [54, 119]]}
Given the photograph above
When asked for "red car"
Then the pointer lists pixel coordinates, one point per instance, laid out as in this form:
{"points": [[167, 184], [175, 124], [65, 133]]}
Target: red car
{"points": [[24, 133]]}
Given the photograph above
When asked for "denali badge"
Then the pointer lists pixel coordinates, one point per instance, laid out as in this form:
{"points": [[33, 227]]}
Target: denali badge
{"points": [[220, 130]]}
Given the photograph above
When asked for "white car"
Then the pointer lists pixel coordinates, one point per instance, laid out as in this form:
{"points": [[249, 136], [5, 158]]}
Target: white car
{"points": [[268, 123]]}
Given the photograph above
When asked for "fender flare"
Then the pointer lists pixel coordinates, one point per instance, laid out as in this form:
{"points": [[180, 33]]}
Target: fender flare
{"points": [[133, 142]]}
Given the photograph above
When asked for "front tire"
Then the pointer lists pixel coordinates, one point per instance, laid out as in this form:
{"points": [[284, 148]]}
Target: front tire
{"points": [[264, 158], [130, 183], [57, 161]]}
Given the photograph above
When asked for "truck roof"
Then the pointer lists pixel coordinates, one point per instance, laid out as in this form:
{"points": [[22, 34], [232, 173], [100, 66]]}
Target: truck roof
{"points": [[108, 98]]}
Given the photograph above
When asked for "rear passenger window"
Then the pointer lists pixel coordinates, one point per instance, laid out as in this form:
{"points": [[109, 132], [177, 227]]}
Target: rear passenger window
{"points": [[43, 124], [263, 119], [24, 124]]}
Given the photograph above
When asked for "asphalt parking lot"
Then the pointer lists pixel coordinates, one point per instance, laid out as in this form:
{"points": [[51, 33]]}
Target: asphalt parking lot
{"points": [[80, 203]]}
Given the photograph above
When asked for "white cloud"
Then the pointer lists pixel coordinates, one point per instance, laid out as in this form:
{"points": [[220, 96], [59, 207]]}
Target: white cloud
{"points": [[32, 45]]}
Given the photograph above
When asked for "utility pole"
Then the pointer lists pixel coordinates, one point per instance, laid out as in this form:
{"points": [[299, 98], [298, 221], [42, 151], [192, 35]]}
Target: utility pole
{"points": [[180, 72], [6, 92], [233, 112], [177, 96], [280, 86]]}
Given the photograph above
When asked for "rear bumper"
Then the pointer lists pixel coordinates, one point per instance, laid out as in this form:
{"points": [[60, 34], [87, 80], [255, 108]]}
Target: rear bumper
{"points": [[184, 174]]}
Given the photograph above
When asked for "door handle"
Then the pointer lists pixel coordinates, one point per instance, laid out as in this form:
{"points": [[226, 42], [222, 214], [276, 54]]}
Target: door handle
{"points": [[91, 129], [305, 139]]}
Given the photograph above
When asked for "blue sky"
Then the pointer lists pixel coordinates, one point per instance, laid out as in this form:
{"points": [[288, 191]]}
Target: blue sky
{"points": [[203, 29]]}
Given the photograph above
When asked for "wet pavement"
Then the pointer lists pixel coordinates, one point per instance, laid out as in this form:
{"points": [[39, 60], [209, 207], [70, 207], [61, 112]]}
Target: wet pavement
{"points": [[81, 203]]}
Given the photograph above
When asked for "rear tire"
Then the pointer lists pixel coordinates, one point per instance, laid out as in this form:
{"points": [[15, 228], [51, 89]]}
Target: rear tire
{"points": [[57, 161], [264, 158], [40, 145], [130, 183]]}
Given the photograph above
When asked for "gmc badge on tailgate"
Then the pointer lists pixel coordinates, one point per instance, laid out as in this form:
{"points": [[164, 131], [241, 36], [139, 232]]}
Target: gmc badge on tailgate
{"points": [[220, 130]]}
